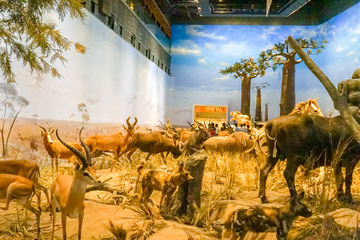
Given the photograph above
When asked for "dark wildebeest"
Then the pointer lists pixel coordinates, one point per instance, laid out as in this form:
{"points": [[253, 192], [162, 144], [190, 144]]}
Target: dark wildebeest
{"points": [[299, 137]]}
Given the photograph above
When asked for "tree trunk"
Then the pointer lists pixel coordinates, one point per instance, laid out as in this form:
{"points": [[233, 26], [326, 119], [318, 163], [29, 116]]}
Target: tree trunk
{"points": [[266, 112], [188, 198], [245, 95], [287, 102], [258, 105]]}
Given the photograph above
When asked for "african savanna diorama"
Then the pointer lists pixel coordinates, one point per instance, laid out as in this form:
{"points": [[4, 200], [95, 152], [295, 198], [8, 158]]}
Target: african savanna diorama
{"points": [[153, 119]]}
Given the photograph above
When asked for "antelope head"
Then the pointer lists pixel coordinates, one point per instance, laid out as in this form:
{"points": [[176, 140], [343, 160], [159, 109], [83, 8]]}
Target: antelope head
{"points": [[131, 127], [80, 172], [47, 133]]}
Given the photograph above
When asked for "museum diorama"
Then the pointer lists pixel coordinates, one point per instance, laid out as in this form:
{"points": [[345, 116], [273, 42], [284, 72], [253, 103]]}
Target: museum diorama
{"points": [[179, 119]]}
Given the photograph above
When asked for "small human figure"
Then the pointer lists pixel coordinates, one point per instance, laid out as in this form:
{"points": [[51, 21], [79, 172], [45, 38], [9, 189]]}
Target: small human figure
{"points": [[216, 129], [223, 127], [236, 128], [243, 128]]}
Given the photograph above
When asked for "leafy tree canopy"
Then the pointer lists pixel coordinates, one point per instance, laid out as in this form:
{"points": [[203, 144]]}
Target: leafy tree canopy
{"points": [[281, 52], [248, 67], [26, 38]]}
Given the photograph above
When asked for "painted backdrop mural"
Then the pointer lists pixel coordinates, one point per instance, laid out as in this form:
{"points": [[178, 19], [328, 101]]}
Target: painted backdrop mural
{"points": [[200, 52]]}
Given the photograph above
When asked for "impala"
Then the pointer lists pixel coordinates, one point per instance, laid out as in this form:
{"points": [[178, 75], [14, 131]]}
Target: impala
{"points": [[68, 192]]}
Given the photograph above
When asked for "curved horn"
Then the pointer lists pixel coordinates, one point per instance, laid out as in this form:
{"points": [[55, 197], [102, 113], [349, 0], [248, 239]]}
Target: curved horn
{"points": [[127, 122], [190, 124], [86, 148], [42, 128], [75, 151], [135, 122], [49, 126]]}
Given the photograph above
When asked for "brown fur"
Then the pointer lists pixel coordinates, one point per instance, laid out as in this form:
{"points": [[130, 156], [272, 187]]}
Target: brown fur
{"points": [[185, 135], [260, 219], [116, 142], [157, 180]]}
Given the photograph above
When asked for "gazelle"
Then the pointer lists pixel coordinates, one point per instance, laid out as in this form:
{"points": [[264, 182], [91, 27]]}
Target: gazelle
{"points": [[20, 189], [68, 192], [25, 169], [56, 150]]}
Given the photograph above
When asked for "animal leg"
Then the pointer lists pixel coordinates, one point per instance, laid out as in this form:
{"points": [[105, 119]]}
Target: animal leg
{"points": [[80, 220], [44, 189], [131, 153], [148, 156], [264, 172], [289, 175], [57, 164], [163, 157], [348, 181], [63, 223], [53, 212], [339, 182], [37, 214]]}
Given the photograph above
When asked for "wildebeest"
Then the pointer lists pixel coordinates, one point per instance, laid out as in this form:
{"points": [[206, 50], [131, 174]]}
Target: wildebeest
{"points": [[152, 143], [236, 142], [298, 137]]}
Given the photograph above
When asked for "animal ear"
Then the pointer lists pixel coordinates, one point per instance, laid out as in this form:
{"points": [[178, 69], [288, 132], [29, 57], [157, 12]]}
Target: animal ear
{"points": [[125, 128], [181, 166], [137, 127], [301, 196], [316, 99], [52, 131]]}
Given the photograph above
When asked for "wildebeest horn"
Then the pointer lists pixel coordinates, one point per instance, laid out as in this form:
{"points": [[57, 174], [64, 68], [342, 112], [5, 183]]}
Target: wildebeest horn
{"points": [[42, 128], [162, 125], [75, 151]]}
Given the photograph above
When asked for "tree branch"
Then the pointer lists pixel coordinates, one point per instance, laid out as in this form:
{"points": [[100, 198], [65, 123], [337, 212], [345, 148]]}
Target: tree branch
{"points": [[340, 102]]}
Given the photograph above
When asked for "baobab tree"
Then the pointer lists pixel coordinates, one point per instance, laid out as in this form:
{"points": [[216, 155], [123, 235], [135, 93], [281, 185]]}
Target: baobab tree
{"points": [[282, 54], [258, 87], [247, 69]]}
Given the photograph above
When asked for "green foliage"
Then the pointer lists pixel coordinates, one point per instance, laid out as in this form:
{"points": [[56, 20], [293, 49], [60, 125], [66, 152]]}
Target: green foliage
{"points": [[84, 112], [256, 86], [248, 67], [281, 52], [26, 38]]}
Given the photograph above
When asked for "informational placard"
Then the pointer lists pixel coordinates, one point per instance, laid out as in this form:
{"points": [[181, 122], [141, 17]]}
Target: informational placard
{"points": [[210, 113]]}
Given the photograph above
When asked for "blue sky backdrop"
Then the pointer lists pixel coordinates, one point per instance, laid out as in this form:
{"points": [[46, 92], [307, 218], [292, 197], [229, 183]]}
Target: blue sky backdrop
{"points": [[200, 52]]}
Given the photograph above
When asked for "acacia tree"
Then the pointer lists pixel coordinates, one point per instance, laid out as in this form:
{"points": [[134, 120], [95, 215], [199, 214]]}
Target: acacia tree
{"points": [[84, 113], [283, 54], [247, 69], [258, 88], [9, 98], [25, 37]]}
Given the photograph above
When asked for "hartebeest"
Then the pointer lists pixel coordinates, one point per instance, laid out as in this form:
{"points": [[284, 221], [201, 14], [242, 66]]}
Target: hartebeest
{"points": [[68, 192], [56, 150], [116, 142], [20, 189], [25, 169]]}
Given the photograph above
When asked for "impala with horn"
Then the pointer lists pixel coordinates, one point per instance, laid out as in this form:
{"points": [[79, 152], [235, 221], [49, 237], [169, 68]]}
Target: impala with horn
{"points": [[68, 192], [116, 142]]}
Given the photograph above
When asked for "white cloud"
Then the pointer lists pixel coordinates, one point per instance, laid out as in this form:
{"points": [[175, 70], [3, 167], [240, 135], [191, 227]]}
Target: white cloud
{"points": [[339, 49], [194, 30], [232, 46], [202, 61], [349, 54], [171, 90], [209, 46], [185, 51], [224, 64], [356, 60], [354, 39], [221, 79]]}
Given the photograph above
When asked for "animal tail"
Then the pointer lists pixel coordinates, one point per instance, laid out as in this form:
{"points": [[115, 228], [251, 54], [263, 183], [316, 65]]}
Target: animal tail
{"points": [[272, 150]]}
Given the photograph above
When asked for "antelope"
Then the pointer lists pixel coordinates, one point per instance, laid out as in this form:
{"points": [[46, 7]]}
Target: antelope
{"points": [[56, 150], [116, 142], [20, 189], [25, 169], [68, 192]]}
